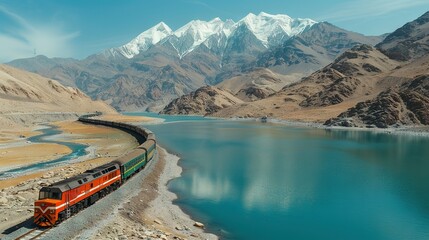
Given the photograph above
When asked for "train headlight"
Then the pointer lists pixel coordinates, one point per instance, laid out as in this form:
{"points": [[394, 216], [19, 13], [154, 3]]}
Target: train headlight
{"points": [[52, 211]]}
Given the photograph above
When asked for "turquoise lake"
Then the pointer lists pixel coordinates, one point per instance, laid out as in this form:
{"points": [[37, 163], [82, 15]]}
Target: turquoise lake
{"points": [[250, 180]]}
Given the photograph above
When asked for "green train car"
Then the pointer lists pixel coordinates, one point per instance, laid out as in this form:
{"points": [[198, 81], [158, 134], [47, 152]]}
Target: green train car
{"points": [[132, 162], [149, 146], [135, 160]]}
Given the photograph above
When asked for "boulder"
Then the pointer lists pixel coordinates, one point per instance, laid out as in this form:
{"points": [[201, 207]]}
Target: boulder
{"points": [[20, 198], [199, 225], [3, 201], [46, 176]]}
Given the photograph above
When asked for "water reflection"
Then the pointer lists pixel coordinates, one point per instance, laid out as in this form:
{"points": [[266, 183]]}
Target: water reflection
{"points": [[403, 156], [204, 186], [340, 184]]}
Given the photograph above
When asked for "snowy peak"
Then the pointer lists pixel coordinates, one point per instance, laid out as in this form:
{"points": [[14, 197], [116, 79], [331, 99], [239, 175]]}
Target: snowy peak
{"points": [[198, 32], [269, 29], [266, 26], [161, 28], [154, 34], [145, 40]]}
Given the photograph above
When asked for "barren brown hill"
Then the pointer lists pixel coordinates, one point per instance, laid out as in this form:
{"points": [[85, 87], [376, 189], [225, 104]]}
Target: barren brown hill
{"points": [[352, 75], [409, 42], [203, 101], [27, 93], [353, 89], [407, 104], [257, 84]]}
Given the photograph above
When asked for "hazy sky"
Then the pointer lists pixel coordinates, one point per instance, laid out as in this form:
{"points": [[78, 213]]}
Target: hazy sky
{"points": [[78, 28]]}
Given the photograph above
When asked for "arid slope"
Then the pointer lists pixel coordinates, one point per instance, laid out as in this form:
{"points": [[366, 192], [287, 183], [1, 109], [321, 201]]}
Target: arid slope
{"points": [[352, 77], [205, 100], [24, 93]]}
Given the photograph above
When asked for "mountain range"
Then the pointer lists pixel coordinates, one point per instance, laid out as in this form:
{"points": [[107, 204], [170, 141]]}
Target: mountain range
{"points": [[366, 86], [161, 64], [216, 35]]}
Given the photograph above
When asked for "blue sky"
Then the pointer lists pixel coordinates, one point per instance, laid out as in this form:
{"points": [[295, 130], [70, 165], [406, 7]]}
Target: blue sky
{"points": [[79, 28]]}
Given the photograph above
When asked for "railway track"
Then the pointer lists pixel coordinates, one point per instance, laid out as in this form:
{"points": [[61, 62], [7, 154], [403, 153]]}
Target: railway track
{"points": [[34, 233]]}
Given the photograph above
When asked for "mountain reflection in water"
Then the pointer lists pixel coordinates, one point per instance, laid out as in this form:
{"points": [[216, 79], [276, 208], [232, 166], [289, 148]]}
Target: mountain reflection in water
{"points": [[249, 180]]}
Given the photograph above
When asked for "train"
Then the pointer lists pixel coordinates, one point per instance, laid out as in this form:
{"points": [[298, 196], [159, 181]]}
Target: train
{"points": [[61, 200]]}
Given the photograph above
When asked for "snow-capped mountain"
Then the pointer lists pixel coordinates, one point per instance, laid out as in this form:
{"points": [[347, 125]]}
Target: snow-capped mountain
{"points": [[270, 30], [143, 41], [198, 32]]}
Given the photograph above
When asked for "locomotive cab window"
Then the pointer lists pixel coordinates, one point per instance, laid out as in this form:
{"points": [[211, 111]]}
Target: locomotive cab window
{"points": [[49, 195]]}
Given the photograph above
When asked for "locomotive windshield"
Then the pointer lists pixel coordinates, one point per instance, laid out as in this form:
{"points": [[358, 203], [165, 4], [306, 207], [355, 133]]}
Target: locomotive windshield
{"points": [[49, 194]]}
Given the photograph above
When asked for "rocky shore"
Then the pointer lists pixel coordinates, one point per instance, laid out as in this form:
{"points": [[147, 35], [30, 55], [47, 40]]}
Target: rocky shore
{"points": [[410, 130]]}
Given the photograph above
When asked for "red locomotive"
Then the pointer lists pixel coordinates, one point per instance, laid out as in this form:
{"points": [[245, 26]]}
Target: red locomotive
{"points": [[65, 198]]}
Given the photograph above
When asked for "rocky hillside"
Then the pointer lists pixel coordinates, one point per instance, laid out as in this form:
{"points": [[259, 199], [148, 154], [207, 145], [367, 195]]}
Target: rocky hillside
{"points": [[257, 84], [348, 76], [353, 77], [408, 42], [28, 93], [205, 100], [302, 54], [407, 104], [312, 49]]}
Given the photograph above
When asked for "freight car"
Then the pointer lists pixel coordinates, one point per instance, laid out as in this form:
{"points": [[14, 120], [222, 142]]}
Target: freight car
{"points": [[63, 199]]}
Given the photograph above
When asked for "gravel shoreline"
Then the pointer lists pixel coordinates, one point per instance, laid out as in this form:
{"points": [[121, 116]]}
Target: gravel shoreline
{"points": [[420, 131], [162, 211]]}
